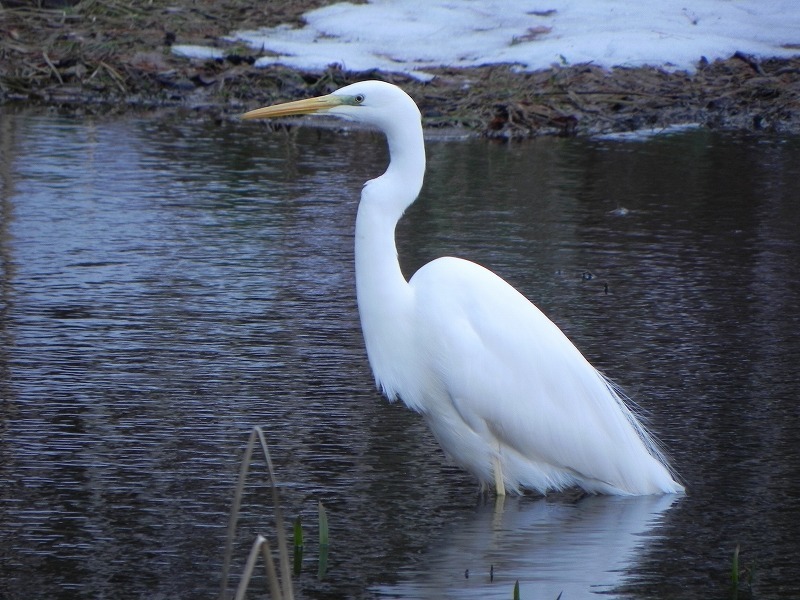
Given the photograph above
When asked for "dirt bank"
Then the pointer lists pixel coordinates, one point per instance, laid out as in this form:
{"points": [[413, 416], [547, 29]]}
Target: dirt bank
{"points": [[107, 56]]}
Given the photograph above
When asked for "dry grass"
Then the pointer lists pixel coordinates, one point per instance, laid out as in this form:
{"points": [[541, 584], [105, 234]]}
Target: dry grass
{"points": [[104, 51], [111, 55]]}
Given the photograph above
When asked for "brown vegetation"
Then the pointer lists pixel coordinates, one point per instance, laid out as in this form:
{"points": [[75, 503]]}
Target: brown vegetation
{"points": [[111, 55]]}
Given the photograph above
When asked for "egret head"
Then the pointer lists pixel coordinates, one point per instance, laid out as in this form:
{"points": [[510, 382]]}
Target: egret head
{"points": [[371, 102]]}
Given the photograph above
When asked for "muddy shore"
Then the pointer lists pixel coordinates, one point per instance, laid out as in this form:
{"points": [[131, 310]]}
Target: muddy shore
{"points": [[112, 56]]}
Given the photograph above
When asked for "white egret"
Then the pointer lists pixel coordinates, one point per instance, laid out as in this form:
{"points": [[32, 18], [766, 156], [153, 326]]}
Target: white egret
{"points": [[507, 395]]}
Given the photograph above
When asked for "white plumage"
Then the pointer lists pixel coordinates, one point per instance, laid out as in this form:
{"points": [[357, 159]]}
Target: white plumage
{"points": [[507, 395]]}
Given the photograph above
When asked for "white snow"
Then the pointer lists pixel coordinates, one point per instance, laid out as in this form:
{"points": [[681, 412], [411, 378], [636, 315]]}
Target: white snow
{"points": [[202, 52], [642, 135], [410, 36]]}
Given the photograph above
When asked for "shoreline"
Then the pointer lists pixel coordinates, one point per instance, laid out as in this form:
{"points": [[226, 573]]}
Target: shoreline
{"points": [[120, 59]]}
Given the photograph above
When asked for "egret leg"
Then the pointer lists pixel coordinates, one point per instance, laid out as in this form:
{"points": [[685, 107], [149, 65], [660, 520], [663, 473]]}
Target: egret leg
{"points": [[497, 516], [499, 486]]}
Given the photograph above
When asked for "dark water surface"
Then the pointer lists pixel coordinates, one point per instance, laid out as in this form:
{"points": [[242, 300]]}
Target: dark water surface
{"points": [[165, 285]]}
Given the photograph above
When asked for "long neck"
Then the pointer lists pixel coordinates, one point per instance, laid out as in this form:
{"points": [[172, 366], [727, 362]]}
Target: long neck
{"points": [[384, 296]]}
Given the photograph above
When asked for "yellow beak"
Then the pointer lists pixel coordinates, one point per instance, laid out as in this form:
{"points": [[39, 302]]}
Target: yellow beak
{"points": [[298, 107]]}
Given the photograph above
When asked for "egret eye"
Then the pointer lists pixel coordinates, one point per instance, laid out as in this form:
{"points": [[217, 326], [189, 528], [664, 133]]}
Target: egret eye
{"points": [[359, 98]]}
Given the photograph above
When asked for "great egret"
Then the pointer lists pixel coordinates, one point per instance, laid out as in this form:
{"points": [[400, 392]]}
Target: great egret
{"points": [[507, 395]]}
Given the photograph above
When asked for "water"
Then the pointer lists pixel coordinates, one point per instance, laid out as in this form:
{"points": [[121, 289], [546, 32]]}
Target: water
{"points": [[168, 283]]}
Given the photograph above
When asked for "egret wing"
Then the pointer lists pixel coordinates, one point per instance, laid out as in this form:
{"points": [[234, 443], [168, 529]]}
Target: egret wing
{"points": [[519, 383]]}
